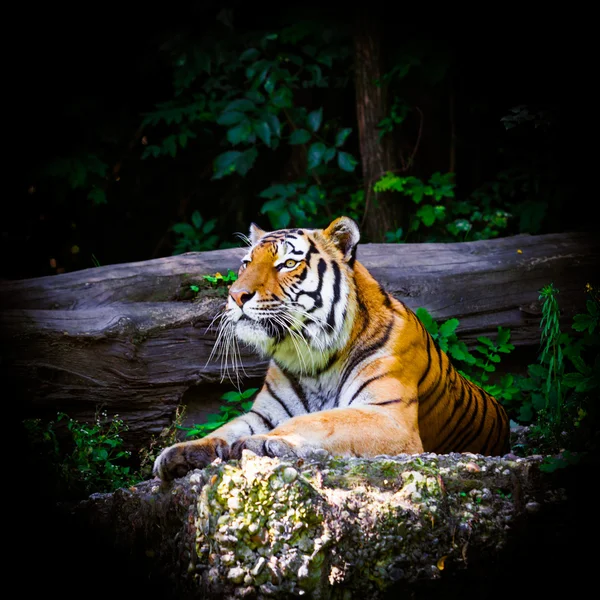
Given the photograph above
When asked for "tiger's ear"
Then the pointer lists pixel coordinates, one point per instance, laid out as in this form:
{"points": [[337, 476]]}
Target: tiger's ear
{"points": [[345, 235], [256, 233]]}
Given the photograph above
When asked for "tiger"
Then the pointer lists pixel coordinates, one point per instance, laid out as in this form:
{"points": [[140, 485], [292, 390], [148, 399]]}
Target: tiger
{"points": [[352, 370]]}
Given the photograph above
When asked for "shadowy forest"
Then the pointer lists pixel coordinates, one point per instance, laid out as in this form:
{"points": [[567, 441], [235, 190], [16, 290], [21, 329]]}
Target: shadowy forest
{"points": [[151, 136]]}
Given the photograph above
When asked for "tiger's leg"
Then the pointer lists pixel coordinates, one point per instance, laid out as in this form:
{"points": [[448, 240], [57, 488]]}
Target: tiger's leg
{"points": [[366, 430], [178, 459]]}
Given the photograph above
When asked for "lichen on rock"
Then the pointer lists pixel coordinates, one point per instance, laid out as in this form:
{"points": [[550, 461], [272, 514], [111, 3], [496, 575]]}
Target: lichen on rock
{"points": [[260, 524], [330, 527]]}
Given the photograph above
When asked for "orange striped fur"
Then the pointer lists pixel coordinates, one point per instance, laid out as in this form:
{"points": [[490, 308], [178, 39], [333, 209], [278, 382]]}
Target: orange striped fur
{"points": [[353, 371]]}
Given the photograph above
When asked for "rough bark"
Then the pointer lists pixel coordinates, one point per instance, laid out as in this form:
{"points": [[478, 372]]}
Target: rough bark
{"points": [[117, 336], [377, 153], [325, 528]]}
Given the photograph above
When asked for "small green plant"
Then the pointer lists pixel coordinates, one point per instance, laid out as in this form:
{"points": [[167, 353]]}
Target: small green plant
{"points": [[217, 279], [90, 459], [195, 237], [236, 404]]}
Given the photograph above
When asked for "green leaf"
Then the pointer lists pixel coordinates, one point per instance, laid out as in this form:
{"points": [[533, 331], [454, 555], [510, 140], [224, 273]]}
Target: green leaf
{"points": [[197, 219], [184, 229], [240, 133], [249, 392], [263, 131], [230, 118], [503, 336], [538, 401], [315, 154], [231, 396], [242, 104], [425, 317], [225, 163], [245, 161], [280, 219], [270, 85], [255, 96], [346, 161], [275, 190], [449, 327], [282, 98], [427, 215], [274, 205], [526, 413], [209, 226], [583, 322], [247, 405], [486, 341], [456, 352], [274, 124], [536, 370], [299, 136], [573, 379], [341, 136], [314, 119], [250, 54], [329, 154]]}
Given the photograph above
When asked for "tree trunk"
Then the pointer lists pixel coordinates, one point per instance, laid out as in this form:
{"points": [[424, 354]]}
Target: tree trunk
{"points": [[323, 528], [134, 338], [383, 213]]}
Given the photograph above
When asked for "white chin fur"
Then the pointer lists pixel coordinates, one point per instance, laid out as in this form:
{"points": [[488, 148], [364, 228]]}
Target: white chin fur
{"points": [[252, 333]]}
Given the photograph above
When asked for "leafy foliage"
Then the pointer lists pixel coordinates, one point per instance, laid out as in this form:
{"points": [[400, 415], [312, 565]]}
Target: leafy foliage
{"points": [[440, 216], [245, 93], [196, 236], [236, 404], [90, 460]]}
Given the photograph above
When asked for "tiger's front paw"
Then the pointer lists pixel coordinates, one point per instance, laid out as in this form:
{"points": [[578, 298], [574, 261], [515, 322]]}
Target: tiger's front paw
{"points": [[175, 461], [270, 445]]}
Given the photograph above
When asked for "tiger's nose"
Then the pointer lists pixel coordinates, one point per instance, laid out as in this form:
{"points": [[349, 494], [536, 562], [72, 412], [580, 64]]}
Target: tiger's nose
{"points": [[241, 296]]}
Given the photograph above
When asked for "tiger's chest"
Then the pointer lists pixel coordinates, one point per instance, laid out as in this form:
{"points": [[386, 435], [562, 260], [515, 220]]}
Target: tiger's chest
{"points": [[322, 393]]}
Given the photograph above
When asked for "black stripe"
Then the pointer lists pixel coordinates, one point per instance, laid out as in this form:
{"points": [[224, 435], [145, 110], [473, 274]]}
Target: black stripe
{"points": [[440, 387], [456, 437], [435, 385], [364, 385], [386, 297], [504, 435], [368, 351], [336, 295], [352, 258], [316, 295], [499, 422], [428, 363], [264, 419], [394, 401], [278, 399], [481, 425], [298, 391], [249, 426], [447, 422]]}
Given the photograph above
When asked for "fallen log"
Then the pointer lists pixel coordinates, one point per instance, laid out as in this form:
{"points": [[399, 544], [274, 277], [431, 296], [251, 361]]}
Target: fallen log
{"points": [[322, 528], [133, 338]]}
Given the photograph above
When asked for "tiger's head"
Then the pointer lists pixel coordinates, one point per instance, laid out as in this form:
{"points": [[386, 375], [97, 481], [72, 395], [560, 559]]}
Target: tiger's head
{"points": [[293, 294]]}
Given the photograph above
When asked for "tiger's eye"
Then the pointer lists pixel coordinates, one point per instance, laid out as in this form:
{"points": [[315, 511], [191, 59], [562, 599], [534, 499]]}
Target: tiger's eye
{"points": [[290, 262]]}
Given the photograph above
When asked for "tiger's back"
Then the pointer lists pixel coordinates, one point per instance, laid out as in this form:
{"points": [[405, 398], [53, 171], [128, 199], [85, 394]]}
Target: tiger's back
{"points": [[454, 414], [353, 370]]}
